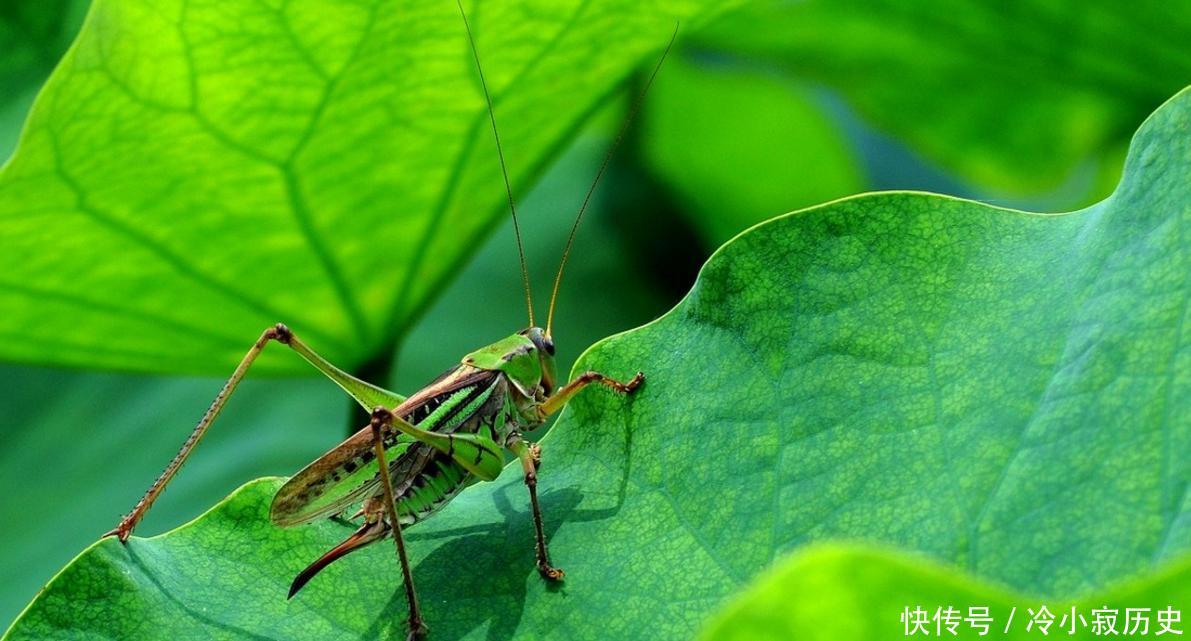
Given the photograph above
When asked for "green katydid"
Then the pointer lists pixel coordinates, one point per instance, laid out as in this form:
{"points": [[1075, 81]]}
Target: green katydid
{"points": [[418, 453]]}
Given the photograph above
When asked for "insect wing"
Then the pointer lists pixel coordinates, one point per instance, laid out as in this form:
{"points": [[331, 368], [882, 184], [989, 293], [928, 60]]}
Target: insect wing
{"points": [[348, 473]]}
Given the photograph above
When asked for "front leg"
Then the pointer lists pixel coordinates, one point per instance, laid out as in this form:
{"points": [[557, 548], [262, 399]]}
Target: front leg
{"points": [[564, 394]]}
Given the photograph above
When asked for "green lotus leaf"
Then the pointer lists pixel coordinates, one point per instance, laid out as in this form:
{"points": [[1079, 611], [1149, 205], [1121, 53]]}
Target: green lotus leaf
{"points": [[1002, 391]]}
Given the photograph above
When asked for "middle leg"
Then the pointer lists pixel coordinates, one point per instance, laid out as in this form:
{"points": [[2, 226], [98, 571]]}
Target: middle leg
{"points": [[530, 455]]}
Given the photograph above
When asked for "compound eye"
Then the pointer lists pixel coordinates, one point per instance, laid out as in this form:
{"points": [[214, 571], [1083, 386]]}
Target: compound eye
{"points": [[549, 345]]}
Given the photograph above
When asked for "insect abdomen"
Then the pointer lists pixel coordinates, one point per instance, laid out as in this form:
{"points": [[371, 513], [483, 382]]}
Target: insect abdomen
{"points": [[440, 482]]}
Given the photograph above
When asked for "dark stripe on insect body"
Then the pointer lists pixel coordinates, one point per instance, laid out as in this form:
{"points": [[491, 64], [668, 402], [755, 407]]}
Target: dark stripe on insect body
{"points": [[495, 422], [460, 405], [431, 490], [442, 478]]}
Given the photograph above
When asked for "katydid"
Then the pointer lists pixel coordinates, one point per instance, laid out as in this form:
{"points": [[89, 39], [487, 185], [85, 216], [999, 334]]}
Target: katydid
{"points": [[418, 453]]}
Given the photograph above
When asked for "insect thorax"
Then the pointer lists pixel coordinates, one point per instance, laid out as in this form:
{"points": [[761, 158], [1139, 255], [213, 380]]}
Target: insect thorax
{"points": [[522, 409]]}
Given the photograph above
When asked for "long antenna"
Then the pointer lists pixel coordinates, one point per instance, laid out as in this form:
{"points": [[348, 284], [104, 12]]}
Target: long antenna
{"points": [[566, 252], [503, 168]]}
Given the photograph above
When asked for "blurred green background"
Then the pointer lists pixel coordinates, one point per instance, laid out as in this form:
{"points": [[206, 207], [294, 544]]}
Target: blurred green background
{"points": [[772, 107]]}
